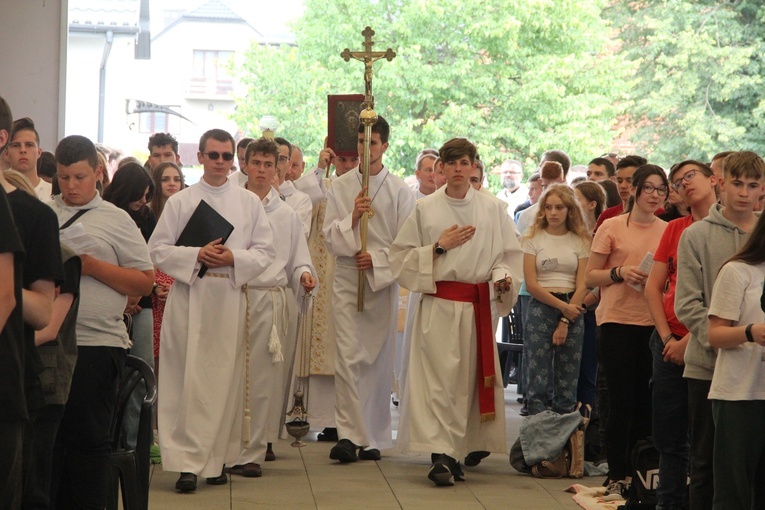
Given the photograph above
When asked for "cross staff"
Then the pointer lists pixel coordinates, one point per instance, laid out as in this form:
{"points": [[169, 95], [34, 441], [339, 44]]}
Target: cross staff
{"points": [[368, 117]]}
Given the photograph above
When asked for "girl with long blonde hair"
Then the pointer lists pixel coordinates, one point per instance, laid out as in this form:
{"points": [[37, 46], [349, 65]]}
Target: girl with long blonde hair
{"points": [[556, 249]]}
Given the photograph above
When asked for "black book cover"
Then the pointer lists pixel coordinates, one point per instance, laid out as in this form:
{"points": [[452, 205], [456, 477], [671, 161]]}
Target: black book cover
{"points": [[204, 226]]}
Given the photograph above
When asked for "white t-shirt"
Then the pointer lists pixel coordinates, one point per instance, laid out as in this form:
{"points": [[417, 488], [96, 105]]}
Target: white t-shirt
{"points": [[115, 239], [557, 258], [740, 371], [44, 190]]}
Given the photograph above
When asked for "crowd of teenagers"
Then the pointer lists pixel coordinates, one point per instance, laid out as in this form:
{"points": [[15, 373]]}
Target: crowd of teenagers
{"points": [[641, 291]]}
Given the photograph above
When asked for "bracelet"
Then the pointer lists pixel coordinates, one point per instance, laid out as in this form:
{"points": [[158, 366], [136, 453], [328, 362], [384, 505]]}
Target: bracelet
{"points": [[614, 277], [564, 321], [748, 333], [667, 338]]}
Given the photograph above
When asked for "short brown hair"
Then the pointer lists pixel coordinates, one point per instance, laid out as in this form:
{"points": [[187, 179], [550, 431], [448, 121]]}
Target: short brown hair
{"points": [[743, 164], [456, 148], [219, 135], [262, 145], [551, 170]]}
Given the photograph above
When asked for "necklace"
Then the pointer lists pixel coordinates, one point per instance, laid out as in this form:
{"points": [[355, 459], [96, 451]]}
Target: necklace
{"points": [[371, 212]]}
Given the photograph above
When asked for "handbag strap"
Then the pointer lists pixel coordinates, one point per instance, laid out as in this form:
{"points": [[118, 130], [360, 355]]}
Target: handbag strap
{"points": [[73, 219]]}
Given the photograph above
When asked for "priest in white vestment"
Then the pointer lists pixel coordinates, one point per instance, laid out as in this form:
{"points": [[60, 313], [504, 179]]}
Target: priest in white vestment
{"points": [[321, 381], [365, 340], [201, 386], [459, 249], [271, 315]]}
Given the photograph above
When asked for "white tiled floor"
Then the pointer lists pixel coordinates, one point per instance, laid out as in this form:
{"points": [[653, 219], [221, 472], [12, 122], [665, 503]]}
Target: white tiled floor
{"points": [[305, 478]]}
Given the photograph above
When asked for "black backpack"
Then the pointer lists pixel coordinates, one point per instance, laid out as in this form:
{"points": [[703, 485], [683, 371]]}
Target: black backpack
{"points": [[645, 477]]}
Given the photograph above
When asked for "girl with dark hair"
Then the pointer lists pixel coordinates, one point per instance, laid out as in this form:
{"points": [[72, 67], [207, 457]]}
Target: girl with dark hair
{"points": [[168, 180], [612, 192], [620, 244], [737, 330], [130, 190]]}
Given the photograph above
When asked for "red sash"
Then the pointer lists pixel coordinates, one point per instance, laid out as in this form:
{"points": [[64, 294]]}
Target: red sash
{"points": [[478, 294]]}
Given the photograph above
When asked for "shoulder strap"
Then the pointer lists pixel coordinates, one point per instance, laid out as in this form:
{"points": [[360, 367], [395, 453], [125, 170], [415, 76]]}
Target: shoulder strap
{"points": [[73, 219]]}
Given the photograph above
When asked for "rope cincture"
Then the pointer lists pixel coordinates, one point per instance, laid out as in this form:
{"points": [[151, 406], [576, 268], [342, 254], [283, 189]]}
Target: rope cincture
{"points": [[304, 341], [246, 422], [274, 347]]}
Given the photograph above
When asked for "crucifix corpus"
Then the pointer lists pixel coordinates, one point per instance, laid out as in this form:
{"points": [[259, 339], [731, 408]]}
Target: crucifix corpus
{"points": [[367, 117]]}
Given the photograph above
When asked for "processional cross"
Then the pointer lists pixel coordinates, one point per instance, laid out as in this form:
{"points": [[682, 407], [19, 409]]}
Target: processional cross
{"points": [[368, 117]]}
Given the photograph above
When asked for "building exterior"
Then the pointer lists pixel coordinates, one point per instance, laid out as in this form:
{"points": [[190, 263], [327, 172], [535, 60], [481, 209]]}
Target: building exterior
{"points": [[120, 89]]}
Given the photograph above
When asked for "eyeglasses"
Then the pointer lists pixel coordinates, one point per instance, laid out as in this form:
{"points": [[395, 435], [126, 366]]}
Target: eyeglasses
{"points": [[687, 178], [282, 159], [662, 191], [215, 156]]}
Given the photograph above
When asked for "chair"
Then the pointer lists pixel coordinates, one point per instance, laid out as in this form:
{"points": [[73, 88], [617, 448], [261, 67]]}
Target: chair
{"points": [[130, 468], [512, 341]]}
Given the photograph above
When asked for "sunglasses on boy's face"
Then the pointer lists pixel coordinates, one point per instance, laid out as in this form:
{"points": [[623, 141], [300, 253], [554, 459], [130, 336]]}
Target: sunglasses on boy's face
{"points": [[227, 156]]}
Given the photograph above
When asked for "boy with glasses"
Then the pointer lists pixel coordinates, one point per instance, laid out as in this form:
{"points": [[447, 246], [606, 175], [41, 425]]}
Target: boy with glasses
{"points": [[695, 183]]}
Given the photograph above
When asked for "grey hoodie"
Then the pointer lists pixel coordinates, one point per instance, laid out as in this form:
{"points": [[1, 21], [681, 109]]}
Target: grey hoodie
{"points": [[704, 247]]}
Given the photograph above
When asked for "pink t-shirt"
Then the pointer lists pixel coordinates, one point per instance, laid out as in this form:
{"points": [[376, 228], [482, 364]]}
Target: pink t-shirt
{"points": [[625, 246]]}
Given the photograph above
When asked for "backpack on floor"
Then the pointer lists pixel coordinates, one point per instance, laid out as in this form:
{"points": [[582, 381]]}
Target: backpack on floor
{"points": [[645, 476]]}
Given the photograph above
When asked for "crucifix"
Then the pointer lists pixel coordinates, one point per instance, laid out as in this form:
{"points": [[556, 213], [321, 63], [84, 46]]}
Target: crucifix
{"points": [[368, 117]]}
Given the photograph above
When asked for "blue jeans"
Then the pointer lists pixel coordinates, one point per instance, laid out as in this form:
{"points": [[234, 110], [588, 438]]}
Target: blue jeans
{"points": [[670, 429], [588, 373], [547, 362]]}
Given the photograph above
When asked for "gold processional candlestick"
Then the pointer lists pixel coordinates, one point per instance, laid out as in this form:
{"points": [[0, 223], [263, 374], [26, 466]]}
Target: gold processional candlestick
{"points": [[368, 117]]}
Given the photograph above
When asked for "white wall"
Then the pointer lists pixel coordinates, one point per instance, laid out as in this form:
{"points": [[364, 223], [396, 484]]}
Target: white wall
{"points": [[33, 63]]}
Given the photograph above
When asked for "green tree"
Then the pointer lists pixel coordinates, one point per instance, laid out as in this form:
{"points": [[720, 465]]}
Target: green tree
{"points": [[515, 76], [697, 88]]}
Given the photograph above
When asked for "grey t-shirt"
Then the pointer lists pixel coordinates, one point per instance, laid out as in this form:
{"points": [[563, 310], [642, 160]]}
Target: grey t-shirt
{"points": [[117, 240]]}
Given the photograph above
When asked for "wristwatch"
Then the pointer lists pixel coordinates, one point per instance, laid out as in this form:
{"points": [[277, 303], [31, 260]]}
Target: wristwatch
{"points": [[440, 250]]}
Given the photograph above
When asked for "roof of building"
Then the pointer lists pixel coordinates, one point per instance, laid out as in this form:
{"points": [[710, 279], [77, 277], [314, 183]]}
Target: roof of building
{"points": [[104, 12], [215, 11]]}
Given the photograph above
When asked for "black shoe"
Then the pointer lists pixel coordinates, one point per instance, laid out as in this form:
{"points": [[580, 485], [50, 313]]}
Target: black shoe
{"points": [[187, 482], [512, 377], [344, 451], [370, 454], [475, 458], [524, 411], [329, 434], [270, 455], [520, 400], [221, 479], [444, 471]]}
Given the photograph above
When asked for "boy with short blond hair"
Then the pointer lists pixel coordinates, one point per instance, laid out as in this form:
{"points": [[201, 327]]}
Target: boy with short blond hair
{"points": [[704, 247]]}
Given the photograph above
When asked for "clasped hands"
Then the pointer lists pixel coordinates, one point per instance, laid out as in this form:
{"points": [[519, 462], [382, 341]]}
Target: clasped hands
{"points": [[215, 254]]}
